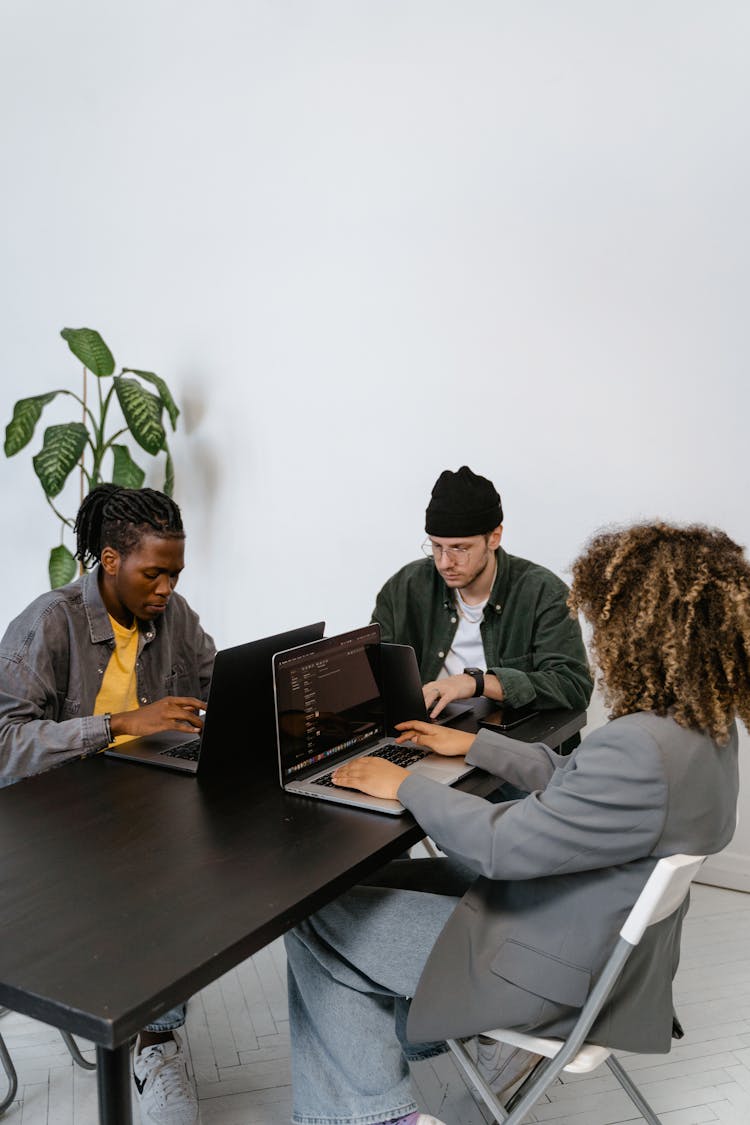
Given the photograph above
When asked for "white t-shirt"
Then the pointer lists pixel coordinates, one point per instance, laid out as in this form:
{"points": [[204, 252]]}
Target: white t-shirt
{"points": [[467, 650]]}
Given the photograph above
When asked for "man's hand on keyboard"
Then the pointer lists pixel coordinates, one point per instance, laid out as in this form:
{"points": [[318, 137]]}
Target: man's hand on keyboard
{"points": [[174, 712], [375, 776], [439, 693], [441, 740]]}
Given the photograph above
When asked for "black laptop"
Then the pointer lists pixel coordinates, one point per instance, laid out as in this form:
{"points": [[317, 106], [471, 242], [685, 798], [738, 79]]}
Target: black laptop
{"points": [[241, 675], [403, 697]]}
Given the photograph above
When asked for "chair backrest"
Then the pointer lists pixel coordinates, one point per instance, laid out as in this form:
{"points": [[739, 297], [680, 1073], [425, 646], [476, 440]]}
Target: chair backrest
{"points": [[665, 890]]}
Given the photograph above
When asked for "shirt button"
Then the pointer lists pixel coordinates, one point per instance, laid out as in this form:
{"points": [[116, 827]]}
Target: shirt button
{"points": [[144, 699], [442, 654], [453, 620], [498, 608]]}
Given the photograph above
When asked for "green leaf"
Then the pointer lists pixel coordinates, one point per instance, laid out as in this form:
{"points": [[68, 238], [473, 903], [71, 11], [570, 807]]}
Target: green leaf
{"points": [[26, 414], [164, 392], [125, 471], [87, 345], [142, 412], [168, 473], [63, 446], [62, 567]]}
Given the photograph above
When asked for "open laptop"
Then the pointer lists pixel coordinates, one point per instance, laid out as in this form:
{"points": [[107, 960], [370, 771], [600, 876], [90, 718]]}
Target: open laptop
{"points": [[330, 709], [240, 674], [402, 689]]}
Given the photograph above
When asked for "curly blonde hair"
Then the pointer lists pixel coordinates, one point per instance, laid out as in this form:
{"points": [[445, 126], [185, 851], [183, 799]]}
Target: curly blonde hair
{"points": [[670, 612]]}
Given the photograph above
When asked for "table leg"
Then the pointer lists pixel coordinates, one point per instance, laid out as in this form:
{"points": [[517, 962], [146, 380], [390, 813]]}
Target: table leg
{"points": [[113, 1081]]}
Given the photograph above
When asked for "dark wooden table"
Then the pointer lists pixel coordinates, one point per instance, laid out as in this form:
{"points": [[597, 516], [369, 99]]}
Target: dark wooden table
{"points": [[125, 889]]}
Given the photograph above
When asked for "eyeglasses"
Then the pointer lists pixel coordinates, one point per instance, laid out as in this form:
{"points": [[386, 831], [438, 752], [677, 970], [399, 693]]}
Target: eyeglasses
{"points": [[452, 554]]}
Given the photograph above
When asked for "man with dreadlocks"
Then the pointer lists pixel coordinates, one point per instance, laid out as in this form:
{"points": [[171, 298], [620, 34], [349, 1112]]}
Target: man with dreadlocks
{"points": [[111, 656]]}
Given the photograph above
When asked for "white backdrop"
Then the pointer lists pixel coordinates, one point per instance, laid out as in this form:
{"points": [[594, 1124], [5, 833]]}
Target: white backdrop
{"points": [[365, 240]]}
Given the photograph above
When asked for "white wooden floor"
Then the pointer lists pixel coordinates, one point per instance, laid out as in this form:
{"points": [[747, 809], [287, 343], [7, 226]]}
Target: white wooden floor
{"points": [[238, 1038]]}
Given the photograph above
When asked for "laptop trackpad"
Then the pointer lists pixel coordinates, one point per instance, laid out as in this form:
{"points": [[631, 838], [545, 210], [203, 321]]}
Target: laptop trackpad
{"points": [[441, 769]]}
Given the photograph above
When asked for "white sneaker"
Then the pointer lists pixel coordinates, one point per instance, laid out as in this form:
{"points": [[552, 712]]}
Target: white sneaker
{"points": [[503, 1066], [165, 1093], [425, 1119]]}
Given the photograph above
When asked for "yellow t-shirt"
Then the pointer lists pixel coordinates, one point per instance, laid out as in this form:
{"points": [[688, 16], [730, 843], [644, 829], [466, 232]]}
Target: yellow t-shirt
{"points": [[118, 690]]}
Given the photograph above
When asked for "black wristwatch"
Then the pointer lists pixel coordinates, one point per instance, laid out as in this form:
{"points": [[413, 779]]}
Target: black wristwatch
{"points": [[477, 676]]}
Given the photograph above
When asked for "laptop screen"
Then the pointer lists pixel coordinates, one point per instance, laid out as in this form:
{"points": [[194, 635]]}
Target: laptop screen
{"points": [[328, 701]]}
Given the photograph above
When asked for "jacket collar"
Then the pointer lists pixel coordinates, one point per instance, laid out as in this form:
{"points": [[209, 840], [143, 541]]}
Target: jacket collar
{"points": [[499, 591], [96, 612], [97, 617]]}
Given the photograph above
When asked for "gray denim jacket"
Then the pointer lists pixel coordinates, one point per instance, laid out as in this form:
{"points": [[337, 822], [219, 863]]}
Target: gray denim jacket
{"points": [[52, 660]]}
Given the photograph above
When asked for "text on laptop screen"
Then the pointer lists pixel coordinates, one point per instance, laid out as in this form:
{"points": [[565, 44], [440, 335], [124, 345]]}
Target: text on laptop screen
{"points": [[329, 702]]}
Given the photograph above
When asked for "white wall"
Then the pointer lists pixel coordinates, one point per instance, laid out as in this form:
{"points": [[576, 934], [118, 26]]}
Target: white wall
{"points": [[365, 240]]}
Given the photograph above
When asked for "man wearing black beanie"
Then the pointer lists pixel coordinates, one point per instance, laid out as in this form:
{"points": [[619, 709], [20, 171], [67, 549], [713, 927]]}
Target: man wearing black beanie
{"points": [[481, 621]]}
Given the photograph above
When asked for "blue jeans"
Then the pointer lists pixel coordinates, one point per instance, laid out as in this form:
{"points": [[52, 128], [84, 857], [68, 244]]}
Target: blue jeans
{"points": [[351, 969], [170, 1021]]}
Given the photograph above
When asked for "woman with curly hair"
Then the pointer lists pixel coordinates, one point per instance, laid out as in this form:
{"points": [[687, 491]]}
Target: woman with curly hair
{"points": [[670, 611], [513, 926]]}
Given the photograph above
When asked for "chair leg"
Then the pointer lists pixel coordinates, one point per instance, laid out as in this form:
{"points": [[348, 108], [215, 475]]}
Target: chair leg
{"points": [[535, 1084], [7, 1065], [469, 1068], [539, 1079], [75, 1052], [528, 1094], [632, 1091]]}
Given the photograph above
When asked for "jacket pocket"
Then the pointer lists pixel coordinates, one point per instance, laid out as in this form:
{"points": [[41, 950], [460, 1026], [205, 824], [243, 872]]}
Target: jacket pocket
{"points": [[180, 681], [68, 708], [542, 974]]}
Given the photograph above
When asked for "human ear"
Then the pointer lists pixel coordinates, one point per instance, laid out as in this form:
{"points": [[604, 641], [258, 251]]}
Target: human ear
{"points": [[493, 542], [110, 560]]}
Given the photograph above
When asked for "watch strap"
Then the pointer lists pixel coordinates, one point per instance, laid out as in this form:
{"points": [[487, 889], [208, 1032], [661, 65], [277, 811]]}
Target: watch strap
{"points": [[477, 676]]}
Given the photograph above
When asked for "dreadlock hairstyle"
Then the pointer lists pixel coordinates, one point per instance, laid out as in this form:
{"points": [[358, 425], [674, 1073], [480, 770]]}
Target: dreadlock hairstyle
{"points": [[119, 517], [670, 612]]}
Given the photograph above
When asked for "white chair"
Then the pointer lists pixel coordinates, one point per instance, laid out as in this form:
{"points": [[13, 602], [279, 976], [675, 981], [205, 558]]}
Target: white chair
{"points": [[662, 895]]}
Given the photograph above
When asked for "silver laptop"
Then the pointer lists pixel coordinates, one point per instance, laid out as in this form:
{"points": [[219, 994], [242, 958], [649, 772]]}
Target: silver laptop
{"points": [[330, 709], [242, 673]]}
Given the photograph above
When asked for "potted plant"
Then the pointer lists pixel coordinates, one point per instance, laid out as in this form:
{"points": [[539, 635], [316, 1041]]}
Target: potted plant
{"points": [[100, 453]]}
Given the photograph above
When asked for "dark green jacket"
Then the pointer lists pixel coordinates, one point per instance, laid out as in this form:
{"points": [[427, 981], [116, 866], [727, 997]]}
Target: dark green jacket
{"points": [[531, 642]]}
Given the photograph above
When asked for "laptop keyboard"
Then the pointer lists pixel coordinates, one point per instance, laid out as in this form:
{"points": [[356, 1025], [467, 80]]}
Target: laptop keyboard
{"points": [[400, 755], [190, 751]]}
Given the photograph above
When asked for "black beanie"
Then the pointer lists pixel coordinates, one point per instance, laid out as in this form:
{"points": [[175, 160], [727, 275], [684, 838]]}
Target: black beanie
{"points": [[463, 503]]}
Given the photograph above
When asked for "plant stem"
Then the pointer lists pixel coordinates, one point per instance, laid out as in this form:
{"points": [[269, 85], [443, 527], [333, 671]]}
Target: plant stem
{"points": [[85, 409], [101, 445], [60, 516], [110, 440], [78, 398]]}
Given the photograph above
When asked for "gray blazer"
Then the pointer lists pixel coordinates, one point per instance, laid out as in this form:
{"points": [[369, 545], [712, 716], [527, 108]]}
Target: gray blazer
{"points": [[559, 872]]}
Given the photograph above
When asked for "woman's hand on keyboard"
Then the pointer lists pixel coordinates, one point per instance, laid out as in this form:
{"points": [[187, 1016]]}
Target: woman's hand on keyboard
{"points": [[375, 776], [441, 740]]}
